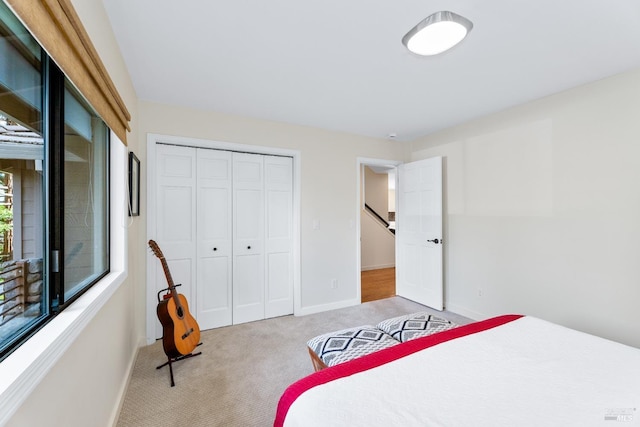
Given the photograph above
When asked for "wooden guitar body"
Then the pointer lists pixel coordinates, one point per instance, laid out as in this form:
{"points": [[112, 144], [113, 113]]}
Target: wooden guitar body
{"points": [[181, 333]]}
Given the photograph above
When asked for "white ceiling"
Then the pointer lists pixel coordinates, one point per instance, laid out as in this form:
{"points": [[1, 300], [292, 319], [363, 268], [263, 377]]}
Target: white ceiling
{"points": [[341, 65]]}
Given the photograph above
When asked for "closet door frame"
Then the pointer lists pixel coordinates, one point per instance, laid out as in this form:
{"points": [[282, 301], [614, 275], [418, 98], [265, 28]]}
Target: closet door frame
{"points": [[151, 272]]}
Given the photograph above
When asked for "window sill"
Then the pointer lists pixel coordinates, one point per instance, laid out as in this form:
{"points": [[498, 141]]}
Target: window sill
{"points": [[23, 370]]}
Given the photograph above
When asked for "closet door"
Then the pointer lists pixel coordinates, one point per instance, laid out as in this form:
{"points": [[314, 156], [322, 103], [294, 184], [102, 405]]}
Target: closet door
{"points": [[176, 218], [214, 288], [248, 237], [278, 235]]}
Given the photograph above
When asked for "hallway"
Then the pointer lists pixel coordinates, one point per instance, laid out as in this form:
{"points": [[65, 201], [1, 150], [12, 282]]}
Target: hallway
{"points": [[378, 284]]}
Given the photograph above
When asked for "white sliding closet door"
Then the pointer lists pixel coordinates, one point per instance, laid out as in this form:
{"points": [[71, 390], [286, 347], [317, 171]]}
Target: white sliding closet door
{"points": [[214, 219], [248, 237], [176, 218], [225, 226], [278, 235]]}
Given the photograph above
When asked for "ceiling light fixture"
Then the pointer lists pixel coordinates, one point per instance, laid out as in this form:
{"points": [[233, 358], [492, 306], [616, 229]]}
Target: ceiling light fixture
{"points": [[437, 33]]}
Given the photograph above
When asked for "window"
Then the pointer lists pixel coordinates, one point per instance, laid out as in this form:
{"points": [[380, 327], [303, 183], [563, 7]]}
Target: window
{"points": [[86, 257], [54, 174]]}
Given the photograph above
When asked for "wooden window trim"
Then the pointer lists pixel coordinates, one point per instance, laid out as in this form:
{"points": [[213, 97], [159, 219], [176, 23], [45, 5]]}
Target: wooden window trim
{"points": [[57, 27]]}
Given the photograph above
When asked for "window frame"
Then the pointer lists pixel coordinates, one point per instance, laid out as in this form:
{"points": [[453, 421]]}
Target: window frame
{"points": [[27, 365], [57, 27], [53, 133]]}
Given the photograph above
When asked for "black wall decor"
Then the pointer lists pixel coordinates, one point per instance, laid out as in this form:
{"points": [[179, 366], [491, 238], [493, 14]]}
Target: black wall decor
{"points": [[134, 185]]}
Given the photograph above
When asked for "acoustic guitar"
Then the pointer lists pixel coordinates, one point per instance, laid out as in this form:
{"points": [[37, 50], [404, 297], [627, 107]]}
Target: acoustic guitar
{"points": [[180, 331]]}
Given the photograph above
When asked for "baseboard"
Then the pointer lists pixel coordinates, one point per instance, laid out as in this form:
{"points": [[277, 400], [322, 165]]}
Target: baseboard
{"points": [[463, 311], [115, 415], [327, 307], [377, 267]]}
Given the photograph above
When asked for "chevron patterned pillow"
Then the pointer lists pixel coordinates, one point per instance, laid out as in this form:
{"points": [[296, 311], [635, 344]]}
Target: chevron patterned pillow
{"points": [[341, 346], [411, 326]]}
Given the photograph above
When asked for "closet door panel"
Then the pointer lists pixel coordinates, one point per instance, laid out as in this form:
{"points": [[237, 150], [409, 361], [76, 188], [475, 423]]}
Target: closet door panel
{"points": [[214, 300], [175, 205], [176, 218], [248, 299], [278, 275], [248, 220], [248, 238], [279, 235], [214, 247]]}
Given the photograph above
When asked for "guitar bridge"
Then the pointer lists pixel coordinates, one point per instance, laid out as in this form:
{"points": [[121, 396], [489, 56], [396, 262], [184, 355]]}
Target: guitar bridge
{"points": [[186, 334]]}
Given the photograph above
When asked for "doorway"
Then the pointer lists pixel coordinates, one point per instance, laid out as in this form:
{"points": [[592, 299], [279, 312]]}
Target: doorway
{"points": [[418, 242], [376, 238]]}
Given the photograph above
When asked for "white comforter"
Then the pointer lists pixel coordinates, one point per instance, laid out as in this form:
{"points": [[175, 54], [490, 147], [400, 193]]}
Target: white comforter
{"points": [[525, 372]]}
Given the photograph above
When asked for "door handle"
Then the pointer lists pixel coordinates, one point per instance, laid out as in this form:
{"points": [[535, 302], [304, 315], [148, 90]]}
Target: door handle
{"points": [[436, 241]]}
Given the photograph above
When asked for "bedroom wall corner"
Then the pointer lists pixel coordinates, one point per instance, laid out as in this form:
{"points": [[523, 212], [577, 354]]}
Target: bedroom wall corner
{"points": [[542, 207]]}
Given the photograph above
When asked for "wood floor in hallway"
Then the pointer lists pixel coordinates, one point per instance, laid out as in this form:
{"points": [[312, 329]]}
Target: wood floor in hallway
{"points": [[378, 284]]}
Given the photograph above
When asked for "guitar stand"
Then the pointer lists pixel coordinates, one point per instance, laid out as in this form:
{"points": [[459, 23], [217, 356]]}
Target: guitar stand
{"points": [[177, 359]]}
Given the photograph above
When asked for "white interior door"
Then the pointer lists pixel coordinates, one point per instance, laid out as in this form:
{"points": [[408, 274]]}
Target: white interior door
{"points": [[419, 232], [214, 201], [278, 173], [248, 237], [176, 218]]}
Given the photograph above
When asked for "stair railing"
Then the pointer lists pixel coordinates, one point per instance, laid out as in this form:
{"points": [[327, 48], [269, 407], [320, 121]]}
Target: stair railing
{"points": [[381, 219]]}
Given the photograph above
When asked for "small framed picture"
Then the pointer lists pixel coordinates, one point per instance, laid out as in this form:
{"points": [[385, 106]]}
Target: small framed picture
{"points": [[134, 185]]}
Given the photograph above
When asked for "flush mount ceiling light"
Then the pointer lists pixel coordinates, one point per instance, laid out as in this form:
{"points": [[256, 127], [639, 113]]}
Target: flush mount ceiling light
{"points": [[437, 33]]}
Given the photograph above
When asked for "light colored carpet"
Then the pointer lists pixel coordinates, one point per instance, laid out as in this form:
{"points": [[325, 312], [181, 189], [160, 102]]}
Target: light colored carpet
{"points": [[243, 369]]}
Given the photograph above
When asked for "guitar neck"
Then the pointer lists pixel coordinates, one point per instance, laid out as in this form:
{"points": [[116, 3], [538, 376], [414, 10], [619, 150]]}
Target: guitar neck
{"points": [[171, 287], [167, 273]]}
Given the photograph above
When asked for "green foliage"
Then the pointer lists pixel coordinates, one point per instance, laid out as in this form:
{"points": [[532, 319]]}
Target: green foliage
{"points": [[6, 219]]}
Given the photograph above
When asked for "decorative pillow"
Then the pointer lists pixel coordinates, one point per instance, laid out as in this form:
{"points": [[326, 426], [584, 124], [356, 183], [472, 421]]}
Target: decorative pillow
{"points": [[341, 346], [411, 326]]}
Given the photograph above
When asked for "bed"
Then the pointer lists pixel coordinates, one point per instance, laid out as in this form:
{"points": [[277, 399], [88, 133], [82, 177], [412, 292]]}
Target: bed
{"points": [[509, 370]]}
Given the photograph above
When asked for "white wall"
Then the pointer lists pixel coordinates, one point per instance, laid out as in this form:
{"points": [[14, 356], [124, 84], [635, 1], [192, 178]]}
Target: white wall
{"points": [[378, 245], [376, 192], [543, 209], [329, 188]]}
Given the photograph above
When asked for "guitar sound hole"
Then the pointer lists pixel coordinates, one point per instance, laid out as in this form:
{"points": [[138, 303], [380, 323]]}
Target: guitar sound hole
{"points": [[180, 312]]}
